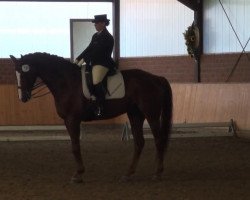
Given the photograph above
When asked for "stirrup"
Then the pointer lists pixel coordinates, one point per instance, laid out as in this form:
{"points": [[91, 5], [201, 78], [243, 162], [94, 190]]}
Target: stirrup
{"points": [[99, 111]]}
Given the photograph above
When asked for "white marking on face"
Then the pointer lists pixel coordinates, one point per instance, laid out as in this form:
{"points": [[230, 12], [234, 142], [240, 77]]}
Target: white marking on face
{"points": [[25, 68], [18, 76]]}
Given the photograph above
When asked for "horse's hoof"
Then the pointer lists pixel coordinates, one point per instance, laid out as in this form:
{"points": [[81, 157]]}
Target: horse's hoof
{"points": [[125, 179], [76, 179]]}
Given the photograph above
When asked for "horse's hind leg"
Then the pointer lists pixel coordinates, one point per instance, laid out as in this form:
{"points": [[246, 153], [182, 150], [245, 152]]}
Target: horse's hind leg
{"points": [[160, 143], [136, 119], [73, 127]]}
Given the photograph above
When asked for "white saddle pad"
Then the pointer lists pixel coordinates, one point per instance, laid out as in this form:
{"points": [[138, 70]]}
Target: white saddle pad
{"points": [[115, 86]]}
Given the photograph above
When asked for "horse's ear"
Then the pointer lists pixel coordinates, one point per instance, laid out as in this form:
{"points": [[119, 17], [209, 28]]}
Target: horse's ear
{"points": [[14, 59]]}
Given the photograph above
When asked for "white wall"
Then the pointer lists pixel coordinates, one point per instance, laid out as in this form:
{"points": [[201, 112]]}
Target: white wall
{"points": [[27, 27], [218, 34], [153, 28], [81, 33]]}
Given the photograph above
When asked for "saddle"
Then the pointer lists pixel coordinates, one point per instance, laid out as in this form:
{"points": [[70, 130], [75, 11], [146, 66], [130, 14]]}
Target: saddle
{"points": [[114, 85]]}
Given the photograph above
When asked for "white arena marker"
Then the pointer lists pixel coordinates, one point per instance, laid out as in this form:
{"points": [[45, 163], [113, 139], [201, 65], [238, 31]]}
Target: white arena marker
{"points": [[25, 68]]}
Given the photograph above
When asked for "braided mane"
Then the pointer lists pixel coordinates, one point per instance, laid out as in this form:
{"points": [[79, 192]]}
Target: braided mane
{"points": [[46, 58]]}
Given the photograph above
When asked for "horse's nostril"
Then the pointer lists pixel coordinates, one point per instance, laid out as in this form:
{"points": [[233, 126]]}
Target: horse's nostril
{"points": [[26, 96], [24, 99]]}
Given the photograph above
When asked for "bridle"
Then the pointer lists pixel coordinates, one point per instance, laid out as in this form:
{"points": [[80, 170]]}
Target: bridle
{"points": [[38, 85], [41, 87]]}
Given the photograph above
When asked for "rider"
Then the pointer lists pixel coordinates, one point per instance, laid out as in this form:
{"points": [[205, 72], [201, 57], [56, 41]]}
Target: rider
{"points": [[98, 57]]}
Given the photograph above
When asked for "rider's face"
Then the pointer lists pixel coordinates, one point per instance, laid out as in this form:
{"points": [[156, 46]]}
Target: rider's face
{"points": [[99, 26]]}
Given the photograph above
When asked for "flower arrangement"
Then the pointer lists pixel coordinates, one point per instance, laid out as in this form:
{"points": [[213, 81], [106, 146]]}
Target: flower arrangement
{"points": [[191, 36]]}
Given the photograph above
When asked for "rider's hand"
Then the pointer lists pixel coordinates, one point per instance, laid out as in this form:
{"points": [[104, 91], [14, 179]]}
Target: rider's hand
{"points": [[79, 63], [76, 61]]}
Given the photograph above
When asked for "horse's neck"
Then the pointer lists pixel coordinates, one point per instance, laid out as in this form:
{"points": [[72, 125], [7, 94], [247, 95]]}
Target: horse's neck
{"points": [[58, 79]]}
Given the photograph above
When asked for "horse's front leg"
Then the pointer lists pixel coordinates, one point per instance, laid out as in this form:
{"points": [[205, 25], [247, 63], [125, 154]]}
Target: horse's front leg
{"points": [[73, 127]]}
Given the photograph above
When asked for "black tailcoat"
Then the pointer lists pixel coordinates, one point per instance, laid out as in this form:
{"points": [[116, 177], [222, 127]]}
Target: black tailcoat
{"points": [[99, 50]]}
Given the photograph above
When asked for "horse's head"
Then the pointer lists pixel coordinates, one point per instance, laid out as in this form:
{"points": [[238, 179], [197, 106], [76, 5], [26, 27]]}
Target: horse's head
{"points": [[26, 77]]}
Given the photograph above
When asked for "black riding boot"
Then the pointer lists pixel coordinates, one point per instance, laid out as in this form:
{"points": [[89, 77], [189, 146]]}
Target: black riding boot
{"points": [[100, 93]]}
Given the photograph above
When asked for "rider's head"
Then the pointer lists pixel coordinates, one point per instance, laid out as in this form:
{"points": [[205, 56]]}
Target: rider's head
{"points": [[101, 22]]}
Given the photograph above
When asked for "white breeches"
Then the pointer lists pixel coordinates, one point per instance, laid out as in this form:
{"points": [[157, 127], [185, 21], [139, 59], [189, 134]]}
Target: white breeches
{"points": [[98, 73]]}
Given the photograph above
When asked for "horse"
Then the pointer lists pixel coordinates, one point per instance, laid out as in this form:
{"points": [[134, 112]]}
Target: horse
{"points": [[147, 96]]}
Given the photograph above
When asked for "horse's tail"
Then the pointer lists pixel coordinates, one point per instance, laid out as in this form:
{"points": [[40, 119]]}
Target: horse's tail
{"points": [[166, 112]]}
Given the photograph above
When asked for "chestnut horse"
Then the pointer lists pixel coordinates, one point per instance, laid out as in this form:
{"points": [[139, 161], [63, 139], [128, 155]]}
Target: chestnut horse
{"points": [[147, 96]]}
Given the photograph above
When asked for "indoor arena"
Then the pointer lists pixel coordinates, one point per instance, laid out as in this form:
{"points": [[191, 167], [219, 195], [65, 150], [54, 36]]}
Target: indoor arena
{"points": [[125, 100]]}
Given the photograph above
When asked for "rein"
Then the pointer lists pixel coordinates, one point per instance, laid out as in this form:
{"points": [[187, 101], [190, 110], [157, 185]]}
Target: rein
{"points": [[42, 87]]}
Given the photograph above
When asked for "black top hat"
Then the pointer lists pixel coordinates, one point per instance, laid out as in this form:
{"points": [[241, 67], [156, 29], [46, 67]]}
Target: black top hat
{"points": [[101, 18]]}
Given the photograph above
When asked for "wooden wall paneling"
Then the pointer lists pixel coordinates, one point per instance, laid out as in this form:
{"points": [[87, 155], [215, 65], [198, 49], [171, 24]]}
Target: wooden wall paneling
{"points": [[193, 103], [198, 103], [35, 112], [207, 103]]}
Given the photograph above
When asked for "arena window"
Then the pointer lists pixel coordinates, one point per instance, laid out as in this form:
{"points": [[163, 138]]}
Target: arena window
{"points": [[27, 27]]}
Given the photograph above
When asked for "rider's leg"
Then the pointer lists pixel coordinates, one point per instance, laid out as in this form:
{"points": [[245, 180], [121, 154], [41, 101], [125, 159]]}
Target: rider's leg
{"points": [[100, 93], [98, 73]]}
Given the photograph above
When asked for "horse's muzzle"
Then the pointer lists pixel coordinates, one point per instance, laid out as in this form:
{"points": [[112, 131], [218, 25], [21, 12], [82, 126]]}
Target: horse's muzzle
{"points": [[26, 96]]}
